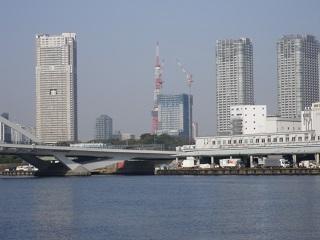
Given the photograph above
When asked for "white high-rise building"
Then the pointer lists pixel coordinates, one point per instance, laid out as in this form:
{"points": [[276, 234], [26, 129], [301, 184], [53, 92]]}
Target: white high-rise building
{"points": [[56, 87], [234, 66], [298, 74]]}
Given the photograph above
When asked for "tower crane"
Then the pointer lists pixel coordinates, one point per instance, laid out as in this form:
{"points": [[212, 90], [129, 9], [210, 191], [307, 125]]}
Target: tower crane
{"points": [[189, 83], [187, 73]]}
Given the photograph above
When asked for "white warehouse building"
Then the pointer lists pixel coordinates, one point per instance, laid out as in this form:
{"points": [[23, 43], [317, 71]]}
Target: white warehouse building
{"points": [[248, 119], [253, 119], [310, 118]]}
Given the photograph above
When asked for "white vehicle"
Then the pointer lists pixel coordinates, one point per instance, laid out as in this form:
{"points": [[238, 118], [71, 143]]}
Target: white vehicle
{"points": [[26, 168], [189, 162], [230, 162], [276, 163], [204, 166], [307, 164]]}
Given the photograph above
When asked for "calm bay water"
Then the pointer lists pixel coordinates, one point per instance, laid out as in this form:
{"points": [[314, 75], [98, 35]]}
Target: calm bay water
{"points": [[160, 207]]}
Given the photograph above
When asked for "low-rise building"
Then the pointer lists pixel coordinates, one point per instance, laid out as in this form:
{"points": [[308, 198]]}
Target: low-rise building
{"points": [[248, 119], [253, 119], [310, 118], [276, 124]]}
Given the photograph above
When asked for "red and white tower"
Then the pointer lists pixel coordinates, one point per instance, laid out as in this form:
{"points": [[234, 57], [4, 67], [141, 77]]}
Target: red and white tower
{"points": [[158, 86]]}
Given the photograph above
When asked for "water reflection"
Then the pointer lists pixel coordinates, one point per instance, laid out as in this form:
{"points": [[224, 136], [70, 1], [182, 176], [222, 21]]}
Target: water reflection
{"points": [[53, 213]]}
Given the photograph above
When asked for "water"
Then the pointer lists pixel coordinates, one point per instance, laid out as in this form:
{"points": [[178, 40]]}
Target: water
{"points": [[160, 207]]}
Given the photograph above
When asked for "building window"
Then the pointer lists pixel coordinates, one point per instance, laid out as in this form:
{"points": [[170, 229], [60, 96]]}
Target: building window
{"points": [[299, 139], [234, 141], [213, 142], [287, 139], [53, 92], [269, 139], [229, 141], [275, 140], [293, 139], [263, 140], [281, 139], [257, 140]]}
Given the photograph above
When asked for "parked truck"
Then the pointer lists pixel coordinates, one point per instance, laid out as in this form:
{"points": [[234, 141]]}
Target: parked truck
{"points": [[269, 162], [189, 162], [230, 162]]}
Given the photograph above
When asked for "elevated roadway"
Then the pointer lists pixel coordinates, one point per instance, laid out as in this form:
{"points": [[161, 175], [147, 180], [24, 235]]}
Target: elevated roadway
{"points": [[62, 160]]}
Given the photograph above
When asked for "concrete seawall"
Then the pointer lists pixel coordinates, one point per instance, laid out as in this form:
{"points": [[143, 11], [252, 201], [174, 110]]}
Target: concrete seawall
{"points": [[241, 171]]}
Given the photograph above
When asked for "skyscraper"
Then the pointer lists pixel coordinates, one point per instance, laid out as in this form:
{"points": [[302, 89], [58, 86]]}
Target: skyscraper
{"points": [[104, 128], [56, 87], [234, 73], [298, 74], [175, 115]]}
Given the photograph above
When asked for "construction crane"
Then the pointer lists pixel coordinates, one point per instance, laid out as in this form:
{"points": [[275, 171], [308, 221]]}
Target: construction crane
{"points": [[189, 83], [188, 75]]}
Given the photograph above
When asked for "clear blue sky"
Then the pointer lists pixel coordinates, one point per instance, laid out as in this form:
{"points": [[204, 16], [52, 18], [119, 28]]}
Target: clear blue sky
{"points": [[116, 48]]}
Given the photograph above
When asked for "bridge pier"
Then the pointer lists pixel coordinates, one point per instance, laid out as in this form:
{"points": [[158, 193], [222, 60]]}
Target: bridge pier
{"points": [[212, 160], [76, 169], [317, 158], [251, 161], [294, 160]]}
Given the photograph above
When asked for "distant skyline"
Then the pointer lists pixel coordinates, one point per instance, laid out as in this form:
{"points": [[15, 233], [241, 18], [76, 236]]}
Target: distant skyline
{"points": [[116, 53]]}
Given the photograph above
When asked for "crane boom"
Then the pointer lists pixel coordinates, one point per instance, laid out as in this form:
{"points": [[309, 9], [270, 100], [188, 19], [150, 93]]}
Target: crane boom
{"points": [[187, 73]]}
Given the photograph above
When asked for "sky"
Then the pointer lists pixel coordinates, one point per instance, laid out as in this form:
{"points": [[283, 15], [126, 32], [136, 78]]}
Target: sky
{"points": [[116, 52]]}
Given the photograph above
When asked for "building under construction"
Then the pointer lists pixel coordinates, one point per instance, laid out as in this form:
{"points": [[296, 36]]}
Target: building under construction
{"points": [[171, 114]]}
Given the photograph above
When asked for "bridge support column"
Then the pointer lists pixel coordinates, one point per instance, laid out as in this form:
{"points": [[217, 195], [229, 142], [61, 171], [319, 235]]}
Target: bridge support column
{"points": [[294, 160], [76, 169], [251, 161], [212, 160], [317, 158]]}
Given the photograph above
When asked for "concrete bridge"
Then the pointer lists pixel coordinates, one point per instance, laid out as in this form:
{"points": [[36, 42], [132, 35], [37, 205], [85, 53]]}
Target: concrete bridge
{"points": [[61, 160]]}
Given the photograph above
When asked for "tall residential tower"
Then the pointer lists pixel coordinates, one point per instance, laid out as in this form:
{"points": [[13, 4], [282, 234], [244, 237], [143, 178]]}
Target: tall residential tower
{"points": [[234, 73], [56, 87], [298, 74]]}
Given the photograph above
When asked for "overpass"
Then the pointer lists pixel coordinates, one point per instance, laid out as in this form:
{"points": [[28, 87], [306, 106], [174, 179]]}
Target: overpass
{"points": [[249, 152], [62, 160]]}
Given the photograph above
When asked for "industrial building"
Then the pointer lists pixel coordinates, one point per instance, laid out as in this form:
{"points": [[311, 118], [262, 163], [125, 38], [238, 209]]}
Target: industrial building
{"points": [[298, 74], [234, 74], [56, 87]]}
